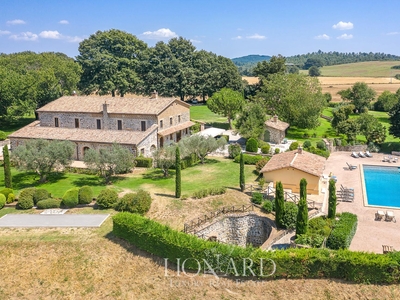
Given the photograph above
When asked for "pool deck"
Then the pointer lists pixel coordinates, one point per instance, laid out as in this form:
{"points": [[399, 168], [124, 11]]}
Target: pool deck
{"points": [[371, 234]]}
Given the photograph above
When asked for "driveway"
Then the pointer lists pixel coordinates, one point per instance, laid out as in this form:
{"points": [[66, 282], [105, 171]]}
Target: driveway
{"points": [[51, 221]]}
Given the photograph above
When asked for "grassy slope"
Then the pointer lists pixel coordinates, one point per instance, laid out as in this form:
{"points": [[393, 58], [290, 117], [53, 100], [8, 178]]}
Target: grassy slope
{"points": [[203, 114], [216, 172], [362, 69]]}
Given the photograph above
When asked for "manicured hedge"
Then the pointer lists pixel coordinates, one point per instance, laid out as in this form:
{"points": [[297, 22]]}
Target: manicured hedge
{"points": [[40, 194], [49, 203], [209, 192], [252, 145], [85, 195], [343, 232], [257, 198], [139, 202], [144, 162], [10, 198], [25, 198], [2, 201], [170, 244], [249, 159], [70, 198], [6, 192], [107, 198]]}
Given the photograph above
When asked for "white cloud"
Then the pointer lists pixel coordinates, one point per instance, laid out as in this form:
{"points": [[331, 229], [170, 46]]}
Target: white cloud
{"points": [[345, 37], [393, 33], [55, 35], [64, 22], [195, 41], [160, 34], [256, 36], [237, 37], [16, 22], [24, 36], [322, 37], [343, 25], [74, 39], [4, 32]]}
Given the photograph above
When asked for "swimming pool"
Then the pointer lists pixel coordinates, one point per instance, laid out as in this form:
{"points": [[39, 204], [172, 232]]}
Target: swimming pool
{"points": [[382, 185]]}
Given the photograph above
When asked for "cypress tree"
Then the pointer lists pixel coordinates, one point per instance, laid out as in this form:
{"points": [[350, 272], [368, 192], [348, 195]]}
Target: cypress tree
{"points": [[302, 215], [241, 179], [177, 173], [332, 199], [7, 170], [279, 204]]}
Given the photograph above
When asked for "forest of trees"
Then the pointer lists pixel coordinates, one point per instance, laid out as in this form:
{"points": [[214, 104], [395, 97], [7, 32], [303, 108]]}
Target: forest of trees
{"points": [[112, 63], [246, 64]]}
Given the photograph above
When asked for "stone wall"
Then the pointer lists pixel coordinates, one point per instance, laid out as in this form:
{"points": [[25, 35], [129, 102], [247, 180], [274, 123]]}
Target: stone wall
{"points": [[240, 230], [275, 136]]}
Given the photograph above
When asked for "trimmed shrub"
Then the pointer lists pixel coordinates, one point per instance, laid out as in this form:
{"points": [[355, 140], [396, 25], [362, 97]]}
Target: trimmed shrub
{"points": [[6, 192], [2, 201], [49, 203], [321, 145], [107, 198], [85, 195], [25, 198], [343, 232], [323, 153], [165, 242], [267, 206], [307, 144], [290, 215], [209, 192], [252, 145], [277, 151], [10, 198], [234, 150], [40, 194], [313, 240], [139, 202], [265, 149], [70, 198], [3, 135], [248, 159], [144, 162], [261, 163], [189, 161], [257, 198], [293, 146]]}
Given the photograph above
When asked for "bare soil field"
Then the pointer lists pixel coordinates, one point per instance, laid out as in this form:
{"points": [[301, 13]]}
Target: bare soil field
{"points": [[333, 85]]}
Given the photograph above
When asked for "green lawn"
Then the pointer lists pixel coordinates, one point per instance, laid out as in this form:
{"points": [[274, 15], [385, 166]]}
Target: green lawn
{"points": [[10, 126], [216, 172], [203, 114]]}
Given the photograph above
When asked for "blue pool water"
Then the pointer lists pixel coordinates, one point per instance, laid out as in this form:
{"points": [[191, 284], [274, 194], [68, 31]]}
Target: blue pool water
{"points": [[382, 185]]}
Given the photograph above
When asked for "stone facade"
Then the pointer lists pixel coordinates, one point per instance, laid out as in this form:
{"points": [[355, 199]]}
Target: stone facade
{"points": [[275, 136], [240, 230]]}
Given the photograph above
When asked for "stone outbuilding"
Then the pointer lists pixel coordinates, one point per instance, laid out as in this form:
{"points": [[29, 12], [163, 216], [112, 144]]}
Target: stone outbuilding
{"points": [[290, 167], [275, 130], [141, 124]]}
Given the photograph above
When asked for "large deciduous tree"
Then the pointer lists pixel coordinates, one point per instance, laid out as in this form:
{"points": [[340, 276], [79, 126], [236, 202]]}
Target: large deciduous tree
{"points": [[227, 103], [250, 122], [276, 65], [350, 128], [360, 94], [43, 156], [295, 98], [109, 60], [108, 161], [371, 128], [386, 101]]}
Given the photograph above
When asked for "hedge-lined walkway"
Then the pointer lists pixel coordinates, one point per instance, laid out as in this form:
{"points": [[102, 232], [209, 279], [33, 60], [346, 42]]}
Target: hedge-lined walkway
{"points": [[371, 234]]}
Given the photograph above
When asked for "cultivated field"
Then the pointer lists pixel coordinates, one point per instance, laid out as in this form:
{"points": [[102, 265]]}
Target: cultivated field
{"points": [[333, 85], [367, 69]]}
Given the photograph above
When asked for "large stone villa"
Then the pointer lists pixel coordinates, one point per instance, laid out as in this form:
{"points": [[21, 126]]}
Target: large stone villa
{"points": [[141, 124]]}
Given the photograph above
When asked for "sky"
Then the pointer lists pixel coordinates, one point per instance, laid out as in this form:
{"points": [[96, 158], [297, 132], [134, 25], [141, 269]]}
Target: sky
{"points": [[228, 28]]}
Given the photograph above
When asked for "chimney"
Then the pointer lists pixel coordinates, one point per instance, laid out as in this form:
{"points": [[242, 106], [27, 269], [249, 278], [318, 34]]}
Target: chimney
{"points": [[154, 95], [105, 115], [275, 119], [299, 150]]}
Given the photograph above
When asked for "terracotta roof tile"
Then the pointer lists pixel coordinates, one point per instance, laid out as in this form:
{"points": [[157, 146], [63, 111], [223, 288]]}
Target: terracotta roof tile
{"points": [[306, 162], [117, 105], [175, 128], [276, 123], [78, 134]]}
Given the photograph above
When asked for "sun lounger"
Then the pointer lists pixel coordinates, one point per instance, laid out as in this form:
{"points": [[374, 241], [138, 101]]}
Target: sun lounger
{"points": [[395, 159], [343, 188], [367, 154], [361, 154], [387, 249], [390, 216], [379, 215], [355, 155], [351, 167], [385, 158], [345, 196]]}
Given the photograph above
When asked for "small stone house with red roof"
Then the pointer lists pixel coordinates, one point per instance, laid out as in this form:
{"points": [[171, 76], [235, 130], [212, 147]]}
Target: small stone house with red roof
{"points": [[275, 130], [141, 124], [290, 167]]}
